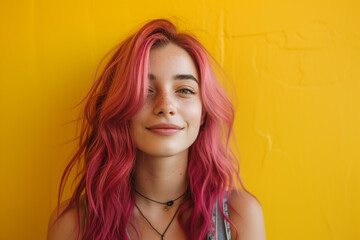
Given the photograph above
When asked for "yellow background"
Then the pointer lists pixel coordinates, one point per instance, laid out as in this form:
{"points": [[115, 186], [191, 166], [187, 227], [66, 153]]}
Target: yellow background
{"points": [[296, 69]]}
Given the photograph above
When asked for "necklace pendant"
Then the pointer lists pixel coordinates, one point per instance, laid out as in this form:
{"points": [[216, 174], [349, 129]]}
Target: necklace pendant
{"points": [[170, 203]]}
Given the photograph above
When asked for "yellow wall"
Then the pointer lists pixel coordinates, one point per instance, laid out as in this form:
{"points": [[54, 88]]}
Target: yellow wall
{"points": [[295, 66]]}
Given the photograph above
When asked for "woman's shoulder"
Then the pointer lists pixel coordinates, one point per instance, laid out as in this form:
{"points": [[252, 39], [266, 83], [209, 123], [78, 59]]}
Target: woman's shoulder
{"points": [[66, 226], [246, 213]]}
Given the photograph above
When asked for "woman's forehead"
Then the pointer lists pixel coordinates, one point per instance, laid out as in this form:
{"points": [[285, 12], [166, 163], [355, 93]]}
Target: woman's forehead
{"points": [[152, 77], [171, 61]]}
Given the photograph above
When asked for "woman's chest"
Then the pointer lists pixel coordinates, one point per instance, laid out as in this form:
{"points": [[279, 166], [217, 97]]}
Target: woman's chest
{"points": [[157, 231]]}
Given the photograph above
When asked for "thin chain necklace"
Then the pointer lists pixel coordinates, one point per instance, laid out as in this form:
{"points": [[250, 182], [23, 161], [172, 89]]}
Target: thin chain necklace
{"points": [[163, 234], [167, 204]]}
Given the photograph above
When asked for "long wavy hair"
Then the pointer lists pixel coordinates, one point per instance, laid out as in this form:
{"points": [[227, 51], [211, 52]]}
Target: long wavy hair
{"points": [[107, 150]]}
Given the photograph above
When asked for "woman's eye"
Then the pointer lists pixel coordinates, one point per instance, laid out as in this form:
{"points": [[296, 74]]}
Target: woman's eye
{"points": [[149, 90], [186, 91]]}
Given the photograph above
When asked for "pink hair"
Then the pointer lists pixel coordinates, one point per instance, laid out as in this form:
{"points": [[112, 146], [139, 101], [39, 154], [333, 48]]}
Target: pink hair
{"points": [[108, 150]]}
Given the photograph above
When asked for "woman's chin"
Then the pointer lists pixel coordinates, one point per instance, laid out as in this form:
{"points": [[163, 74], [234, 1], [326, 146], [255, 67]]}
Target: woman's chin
{"points": [[164, 152]]}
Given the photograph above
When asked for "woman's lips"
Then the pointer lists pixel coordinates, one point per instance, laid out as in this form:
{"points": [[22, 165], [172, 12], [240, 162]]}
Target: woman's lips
{"points": [[165, 128], [164, 131]]}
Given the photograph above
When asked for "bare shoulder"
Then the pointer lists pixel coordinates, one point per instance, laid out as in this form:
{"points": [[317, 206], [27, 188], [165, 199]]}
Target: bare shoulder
{"points": [[66, 226], [246, 213]]}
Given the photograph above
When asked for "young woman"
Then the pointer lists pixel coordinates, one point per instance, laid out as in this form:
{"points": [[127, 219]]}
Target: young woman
{"points": [[154, 147]]}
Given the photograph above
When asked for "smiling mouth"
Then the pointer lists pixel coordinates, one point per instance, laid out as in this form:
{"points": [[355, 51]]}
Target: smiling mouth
{"points": [[164, 131]]}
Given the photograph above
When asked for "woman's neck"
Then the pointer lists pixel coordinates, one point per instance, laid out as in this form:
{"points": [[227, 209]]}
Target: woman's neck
{"points": [[161, 178]]}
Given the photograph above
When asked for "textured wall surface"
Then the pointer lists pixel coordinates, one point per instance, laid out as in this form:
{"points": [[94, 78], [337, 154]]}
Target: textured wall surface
{"points": [[295, 81]]}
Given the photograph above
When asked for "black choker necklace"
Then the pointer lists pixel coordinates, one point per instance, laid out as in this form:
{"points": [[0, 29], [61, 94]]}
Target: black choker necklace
{"points": [[167, 204]]}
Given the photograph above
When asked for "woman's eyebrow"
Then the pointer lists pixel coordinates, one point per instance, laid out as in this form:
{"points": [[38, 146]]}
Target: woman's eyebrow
{"points": [[176, 77]]}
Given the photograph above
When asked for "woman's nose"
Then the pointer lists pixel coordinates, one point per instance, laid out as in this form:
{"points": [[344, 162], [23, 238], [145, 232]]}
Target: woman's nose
{"points": [[164, 104]]}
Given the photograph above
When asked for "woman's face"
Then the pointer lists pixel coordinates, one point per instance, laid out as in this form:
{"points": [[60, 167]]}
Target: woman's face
{"points": [[173, 100]]}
